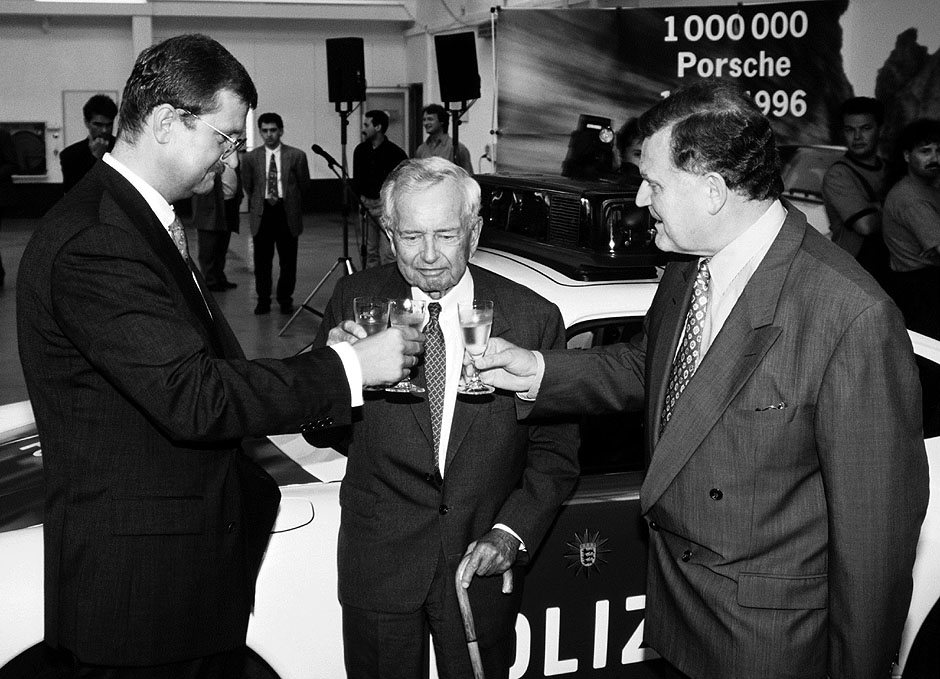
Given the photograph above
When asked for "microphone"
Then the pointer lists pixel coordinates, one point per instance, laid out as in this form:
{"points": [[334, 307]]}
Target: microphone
{"points": [[320, 152]]}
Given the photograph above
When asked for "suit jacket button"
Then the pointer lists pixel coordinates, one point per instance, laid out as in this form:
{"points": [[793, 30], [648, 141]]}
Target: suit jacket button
{"points": [[429, 477], [654, 525], [230, 528], [715, 494], [686, 555], [443, 509]]}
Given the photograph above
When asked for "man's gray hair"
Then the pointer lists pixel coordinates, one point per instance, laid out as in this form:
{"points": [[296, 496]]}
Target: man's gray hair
{"points": [[418, 174]]}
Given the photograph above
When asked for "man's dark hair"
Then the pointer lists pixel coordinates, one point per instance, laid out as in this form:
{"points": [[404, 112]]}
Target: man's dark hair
{"points": [[863, 106], [100, 105], [186, 72], [379, 119], [270, 119], [717, 127], [918, 133], [439, 111]]}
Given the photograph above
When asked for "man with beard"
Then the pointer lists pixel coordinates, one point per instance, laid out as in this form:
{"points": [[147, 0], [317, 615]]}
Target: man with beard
{"points": [[912, 228], [155, 519]]}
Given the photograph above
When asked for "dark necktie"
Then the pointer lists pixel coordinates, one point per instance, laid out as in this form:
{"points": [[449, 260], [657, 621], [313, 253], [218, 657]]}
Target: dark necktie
{"points": [[272, 182], [435, 371], [683, 367], [178, 234]]}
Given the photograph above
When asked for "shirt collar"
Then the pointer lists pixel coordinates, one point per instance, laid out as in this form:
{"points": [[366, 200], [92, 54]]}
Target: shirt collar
{"points": [[728, 262], [462, 292], [161, 208]]}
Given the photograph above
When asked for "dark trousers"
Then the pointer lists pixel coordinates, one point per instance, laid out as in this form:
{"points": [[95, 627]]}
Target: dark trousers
{"points": [[395, 645], [213, 249], [224, 665], [273, 233]]}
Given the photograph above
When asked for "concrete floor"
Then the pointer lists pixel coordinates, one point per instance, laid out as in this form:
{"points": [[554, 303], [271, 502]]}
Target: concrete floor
{"points": [[320, 247]]}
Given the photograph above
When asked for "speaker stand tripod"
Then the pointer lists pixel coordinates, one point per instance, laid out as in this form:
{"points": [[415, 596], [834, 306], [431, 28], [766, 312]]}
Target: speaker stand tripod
{"points": [[343, 264]]}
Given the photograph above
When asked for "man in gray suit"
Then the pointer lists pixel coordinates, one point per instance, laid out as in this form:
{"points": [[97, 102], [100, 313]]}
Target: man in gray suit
{"points": [[787, 477], [424, 489], [275, 177], [155, 519]]}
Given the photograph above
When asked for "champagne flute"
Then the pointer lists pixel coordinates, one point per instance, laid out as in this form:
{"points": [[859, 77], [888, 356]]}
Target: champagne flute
{"points": [[372, 314], [476, 321], [404, 312]]}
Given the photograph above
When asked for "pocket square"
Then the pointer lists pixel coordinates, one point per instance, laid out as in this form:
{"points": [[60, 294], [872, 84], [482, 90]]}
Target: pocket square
{"points": [[776, 406]]}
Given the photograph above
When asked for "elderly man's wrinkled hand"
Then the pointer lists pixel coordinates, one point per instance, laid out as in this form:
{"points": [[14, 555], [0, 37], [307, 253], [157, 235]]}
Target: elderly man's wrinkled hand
{"points": [[492, 554], [388, 357], [506, 366]]}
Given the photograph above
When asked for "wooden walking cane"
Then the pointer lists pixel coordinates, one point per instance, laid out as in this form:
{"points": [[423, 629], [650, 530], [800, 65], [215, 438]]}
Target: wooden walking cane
{"points": [[466, 614]]}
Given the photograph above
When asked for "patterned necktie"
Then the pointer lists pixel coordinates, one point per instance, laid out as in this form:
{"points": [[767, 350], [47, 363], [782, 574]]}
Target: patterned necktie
{"points": [[435, 369], [683, 367], [271, 192], [178, 234]]}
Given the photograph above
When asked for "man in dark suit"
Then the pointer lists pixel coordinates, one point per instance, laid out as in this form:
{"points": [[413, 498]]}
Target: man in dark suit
{"points": [[787, 482], [424, 489], [155, 520], [275, 177], [216, 217], [76, 159]]}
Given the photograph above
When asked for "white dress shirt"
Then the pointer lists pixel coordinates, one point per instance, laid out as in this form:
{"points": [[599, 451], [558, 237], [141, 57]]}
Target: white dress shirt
{"points": [[732, 267]]}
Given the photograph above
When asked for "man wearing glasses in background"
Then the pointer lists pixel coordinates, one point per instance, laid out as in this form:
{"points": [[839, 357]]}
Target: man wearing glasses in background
{"points": [[155, 519], [275, 177]]}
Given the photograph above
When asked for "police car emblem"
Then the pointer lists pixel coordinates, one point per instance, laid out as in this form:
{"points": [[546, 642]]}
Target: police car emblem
{"points": [[586, 552]]}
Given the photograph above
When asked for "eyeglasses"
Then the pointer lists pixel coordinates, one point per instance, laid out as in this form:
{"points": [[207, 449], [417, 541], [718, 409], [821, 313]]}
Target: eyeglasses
{"points": [[233, 144]]}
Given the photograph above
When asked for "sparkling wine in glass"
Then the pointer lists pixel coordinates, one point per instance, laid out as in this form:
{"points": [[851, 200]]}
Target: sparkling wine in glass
{"points": [[476, 322], [408, 312], [372, 314]]}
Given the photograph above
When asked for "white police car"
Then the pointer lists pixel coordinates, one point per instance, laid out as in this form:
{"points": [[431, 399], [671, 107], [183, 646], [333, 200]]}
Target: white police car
{"points": [[583, 609]]}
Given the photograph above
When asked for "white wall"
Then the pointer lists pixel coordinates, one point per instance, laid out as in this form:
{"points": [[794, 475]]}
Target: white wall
{"points": [[38, 61]]}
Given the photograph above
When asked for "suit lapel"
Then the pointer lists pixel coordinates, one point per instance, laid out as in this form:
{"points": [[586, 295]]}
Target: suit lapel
{"points": [[466, 410], [142, 218], [736, 352]]}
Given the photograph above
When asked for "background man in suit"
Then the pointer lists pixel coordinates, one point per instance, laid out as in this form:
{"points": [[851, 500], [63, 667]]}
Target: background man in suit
{"points": [[155, 520], [788, 481], [76, 159], [373, 160], [215, 215], [275, 177], [415, 499]]}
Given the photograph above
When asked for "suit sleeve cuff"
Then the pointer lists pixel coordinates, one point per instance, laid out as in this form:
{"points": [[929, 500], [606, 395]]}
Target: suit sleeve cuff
{"points": [[353, 371], [533, 391], [507, 529]]}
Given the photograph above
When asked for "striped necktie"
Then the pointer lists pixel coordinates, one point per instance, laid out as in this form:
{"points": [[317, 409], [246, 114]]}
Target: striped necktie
{"points": [[435, 371], [272, 182], [683, 367]]}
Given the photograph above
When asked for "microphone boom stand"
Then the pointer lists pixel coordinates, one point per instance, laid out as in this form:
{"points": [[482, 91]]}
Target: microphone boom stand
{"points": [[343, 264]]}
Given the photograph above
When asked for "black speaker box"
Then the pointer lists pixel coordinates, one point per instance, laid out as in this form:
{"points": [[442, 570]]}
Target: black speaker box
{"points": [[457, 66], [345, 69]]}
